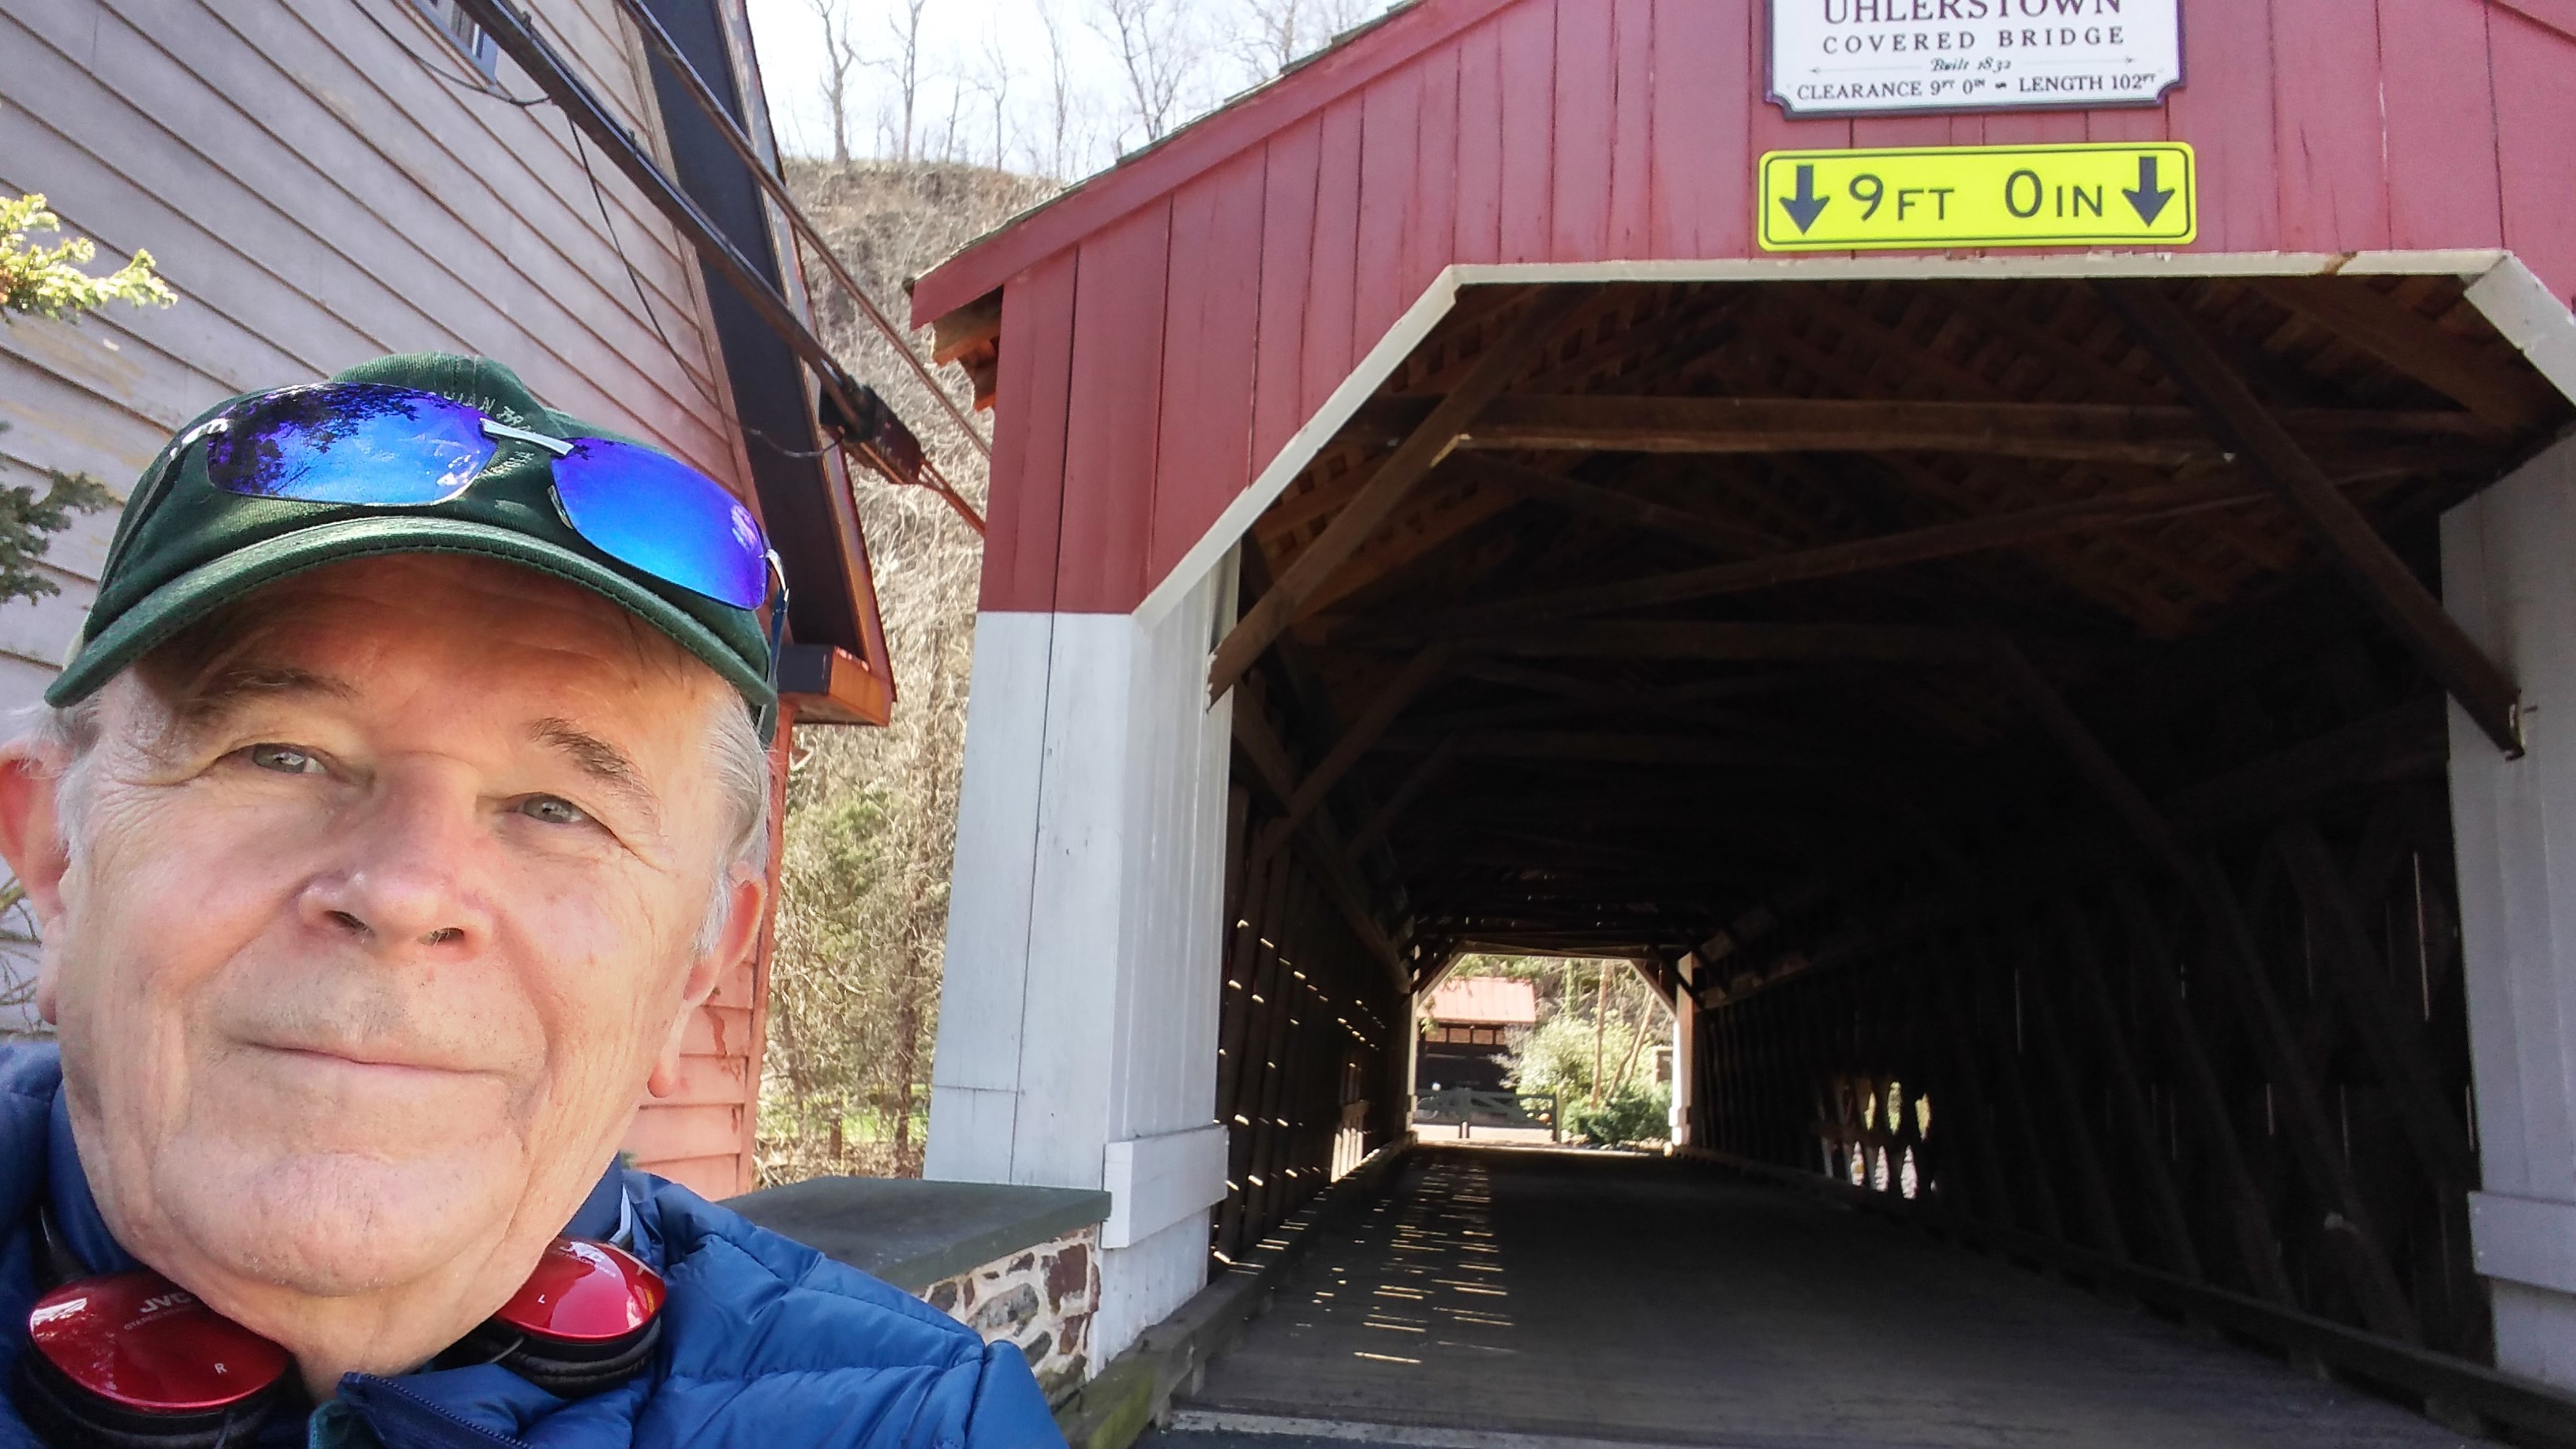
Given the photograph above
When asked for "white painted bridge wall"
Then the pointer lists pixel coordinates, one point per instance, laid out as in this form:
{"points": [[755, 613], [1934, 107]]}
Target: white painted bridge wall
{"points": [[2506, 576], [1078, 1017]]}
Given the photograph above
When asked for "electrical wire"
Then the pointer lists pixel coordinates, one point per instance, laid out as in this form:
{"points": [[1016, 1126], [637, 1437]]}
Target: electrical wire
{"points": [[806, 233], [937, 482], [480, 85], [859, 450], [633, 278]]}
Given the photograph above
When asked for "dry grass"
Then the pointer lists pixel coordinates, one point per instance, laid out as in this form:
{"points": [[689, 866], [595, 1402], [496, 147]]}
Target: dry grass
{"points": [[872, 814]]}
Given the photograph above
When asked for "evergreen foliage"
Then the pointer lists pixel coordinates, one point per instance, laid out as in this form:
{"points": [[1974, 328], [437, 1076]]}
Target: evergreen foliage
{"points": [[42, 281], [48, 281]]}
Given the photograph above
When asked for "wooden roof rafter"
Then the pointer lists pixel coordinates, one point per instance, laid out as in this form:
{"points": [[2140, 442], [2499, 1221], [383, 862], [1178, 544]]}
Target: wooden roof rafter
{"points": [[1629, 620]]}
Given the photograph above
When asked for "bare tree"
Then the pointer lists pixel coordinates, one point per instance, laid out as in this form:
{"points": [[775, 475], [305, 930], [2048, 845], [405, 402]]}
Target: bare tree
{"points": [[950, 148], [1272, 35], [1060, 92], [1159, 49], [992, 82], [903, 66], [839, 57], [871, 819]]}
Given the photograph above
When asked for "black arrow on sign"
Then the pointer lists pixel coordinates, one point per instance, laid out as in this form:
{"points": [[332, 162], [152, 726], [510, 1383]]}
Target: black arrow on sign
{"points": [[1804, 207], [2149, 201]]}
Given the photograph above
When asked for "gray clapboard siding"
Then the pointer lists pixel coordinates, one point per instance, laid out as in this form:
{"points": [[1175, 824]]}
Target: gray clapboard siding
{"points": [[318, 194]]}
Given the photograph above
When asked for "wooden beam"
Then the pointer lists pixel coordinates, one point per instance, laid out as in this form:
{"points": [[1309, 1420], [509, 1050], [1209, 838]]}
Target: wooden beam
{"points": [[2237, 416], [1993, 1190], [1839, 560], [1418, 674], [2154, 436], [2361, 1248], [2077, 741], [1576, 496], [2066, 1102], [1742, 643], [1444, 509], [1261, 749], [2249, 1221], [2314, 1141], [1272, 768], [2404, 742], [1641, 749], [2394, 1039], [2487, 382], [2034, 1156], [1433, 766], [2119, 1067], [1430, 441]]}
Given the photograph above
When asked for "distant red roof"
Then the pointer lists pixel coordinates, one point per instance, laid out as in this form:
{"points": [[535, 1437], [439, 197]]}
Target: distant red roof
{"points": [[1485, 1001]]}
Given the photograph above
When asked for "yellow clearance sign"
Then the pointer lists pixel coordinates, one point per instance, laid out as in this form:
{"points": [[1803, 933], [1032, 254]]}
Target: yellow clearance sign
{"points": [[1931, 197]]}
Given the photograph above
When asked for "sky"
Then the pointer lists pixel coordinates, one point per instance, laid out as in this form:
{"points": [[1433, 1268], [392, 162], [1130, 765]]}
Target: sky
{"points": [[962, 40], [968, 44]]}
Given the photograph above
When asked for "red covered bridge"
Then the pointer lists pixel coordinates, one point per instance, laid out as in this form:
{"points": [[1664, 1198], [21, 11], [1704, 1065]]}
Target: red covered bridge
{"points": [[2096, 671]]}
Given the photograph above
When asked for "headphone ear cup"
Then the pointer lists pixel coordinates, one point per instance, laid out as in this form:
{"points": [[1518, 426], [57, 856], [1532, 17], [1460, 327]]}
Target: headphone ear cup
{"points": [[588, 1319], [568, 1371], [132, 1361]]}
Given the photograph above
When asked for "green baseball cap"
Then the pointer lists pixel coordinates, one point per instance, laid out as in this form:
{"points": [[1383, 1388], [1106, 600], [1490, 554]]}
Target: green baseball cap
{"points": [[184, 547]]}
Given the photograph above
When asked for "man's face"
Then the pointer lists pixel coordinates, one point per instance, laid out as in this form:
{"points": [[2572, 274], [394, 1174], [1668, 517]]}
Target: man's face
{"points": [[378, 925]]}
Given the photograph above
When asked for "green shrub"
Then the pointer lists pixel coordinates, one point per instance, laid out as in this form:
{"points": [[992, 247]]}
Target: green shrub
{"points": [[1639, 1112]]}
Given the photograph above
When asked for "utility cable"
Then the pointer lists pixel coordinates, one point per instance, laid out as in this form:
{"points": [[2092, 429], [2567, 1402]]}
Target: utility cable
{"points": [[776, 188]]}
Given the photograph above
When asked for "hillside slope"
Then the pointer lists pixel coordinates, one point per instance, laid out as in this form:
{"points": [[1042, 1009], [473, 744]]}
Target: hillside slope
{"points": [[854, 984]]}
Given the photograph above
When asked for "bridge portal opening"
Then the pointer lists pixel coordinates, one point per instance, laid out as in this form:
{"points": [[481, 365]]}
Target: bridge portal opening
{"points": [[2007, 718]]}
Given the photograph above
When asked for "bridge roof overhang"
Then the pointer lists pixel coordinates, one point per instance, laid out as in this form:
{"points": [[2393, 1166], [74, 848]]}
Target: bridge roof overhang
{"points": [[1164, 340]]}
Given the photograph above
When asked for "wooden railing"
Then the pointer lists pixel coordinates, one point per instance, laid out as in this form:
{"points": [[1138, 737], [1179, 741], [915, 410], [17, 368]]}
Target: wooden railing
{"points": [[1468, 1109]]}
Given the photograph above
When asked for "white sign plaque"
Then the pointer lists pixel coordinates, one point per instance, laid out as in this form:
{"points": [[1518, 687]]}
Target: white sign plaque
{"points": [[1880, 57]]}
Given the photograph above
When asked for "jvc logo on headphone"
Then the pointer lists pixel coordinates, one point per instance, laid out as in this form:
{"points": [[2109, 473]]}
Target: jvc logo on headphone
{"points": [[132, 1360]]}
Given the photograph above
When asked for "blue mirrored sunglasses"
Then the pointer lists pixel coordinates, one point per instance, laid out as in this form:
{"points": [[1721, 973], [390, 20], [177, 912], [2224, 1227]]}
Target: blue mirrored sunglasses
{"points": [[369, 446]]}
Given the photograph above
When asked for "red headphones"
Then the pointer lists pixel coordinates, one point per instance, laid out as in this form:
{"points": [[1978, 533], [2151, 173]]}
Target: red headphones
{"points": [[132, 1360]]}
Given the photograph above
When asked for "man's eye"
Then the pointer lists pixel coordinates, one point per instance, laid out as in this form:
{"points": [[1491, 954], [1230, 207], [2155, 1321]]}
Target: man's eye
{"points": [[285, 759], [553, 810]]}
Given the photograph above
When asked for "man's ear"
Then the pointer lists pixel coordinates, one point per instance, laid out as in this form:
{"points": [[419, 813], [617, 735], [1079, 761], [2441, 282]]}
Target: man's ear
{"points": [[31, 826], [31, 840], [745, 901]]}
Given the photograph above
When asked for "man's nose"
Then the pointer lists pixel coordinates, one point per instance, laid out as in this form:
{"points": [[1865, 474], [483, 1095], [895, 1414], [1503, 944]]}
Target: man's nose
{"points": [[403, 874]]}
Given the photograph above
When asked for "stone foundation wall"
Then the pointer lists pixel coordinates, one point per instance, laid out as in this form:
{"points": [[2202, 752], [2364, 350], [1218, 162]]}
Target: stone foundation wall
{"points": [[1040, 1299]]}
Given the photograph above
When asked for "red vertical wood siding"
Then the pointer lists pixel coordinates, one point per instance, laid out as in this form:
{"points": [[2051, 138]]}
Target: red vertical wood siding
{"points": [[2224, 109], [1585, 112], [1390, 133], [1632, 127], [1294, 159], [1431, 222], [1214, 304], [1478, 230], [1700, 110], [1113, 407], [1169, 326], [2334, 188], [1527, 35], [2535, 93], [1032, 391], [1332, 285], [2443, 189]]}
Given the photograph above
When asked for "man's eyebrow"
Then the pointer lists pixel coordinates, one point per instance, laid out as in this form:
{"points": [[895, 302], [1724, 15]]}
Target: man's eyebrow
{"points": [[601, 761], [229, 688]]}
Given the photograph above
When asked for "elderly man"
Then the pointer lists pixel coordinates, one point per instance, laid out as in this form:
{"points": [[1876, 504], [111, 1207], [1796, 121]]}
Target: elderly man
{"points": [[406, 796]]}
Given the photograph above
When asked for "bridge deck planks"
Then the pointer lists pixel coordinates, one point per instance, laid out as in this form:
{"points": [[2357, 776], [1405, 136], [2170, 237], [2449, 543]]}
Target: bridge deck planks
{"points": [[1634, 1299]]}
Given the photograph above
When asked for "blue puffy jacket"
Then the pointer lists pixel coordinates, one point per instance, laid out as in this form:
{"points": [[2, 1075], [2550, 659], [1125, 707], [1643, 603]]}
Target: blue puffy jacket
{"points": [[766, 1344]]}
